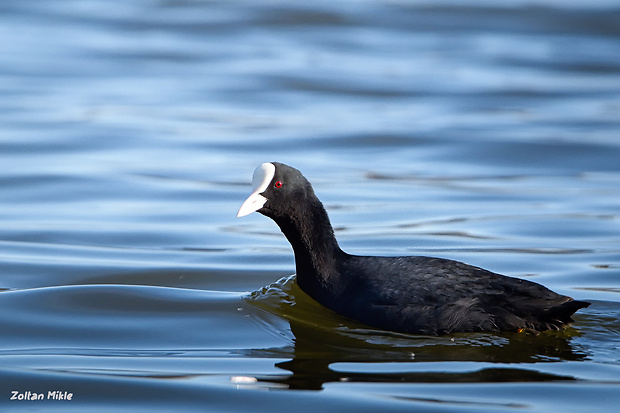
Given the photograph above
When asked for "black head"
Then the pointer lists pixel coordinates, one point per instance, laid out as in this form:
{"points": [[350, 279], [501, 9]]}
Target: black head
{"points": [[284, 195], [278, 190]]}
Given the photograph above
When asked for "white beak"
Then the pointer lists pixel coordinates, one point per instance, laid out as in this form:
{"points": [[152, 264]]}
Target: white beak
{"points": [[260, 181]]}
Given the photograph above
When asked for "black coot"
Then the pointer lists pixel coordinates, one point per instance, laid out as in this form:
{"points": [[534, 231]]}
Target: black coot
{"points": [[420, 295]]}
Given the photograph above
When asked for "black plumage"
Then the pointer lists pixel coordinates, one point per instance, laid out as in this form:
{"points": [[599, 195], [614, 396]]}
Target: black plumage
{"points": [[412, 294]]}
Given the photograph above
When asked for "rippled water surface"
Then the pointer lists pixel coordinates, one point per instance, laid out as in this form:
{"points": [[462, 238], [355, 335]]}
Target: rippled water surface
{"points": [[487, 132]]}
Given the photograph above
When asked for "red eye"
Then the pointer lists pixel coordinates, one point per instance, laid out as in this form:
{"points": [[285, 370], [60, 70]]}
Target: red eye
{"points": [[278, 184]]}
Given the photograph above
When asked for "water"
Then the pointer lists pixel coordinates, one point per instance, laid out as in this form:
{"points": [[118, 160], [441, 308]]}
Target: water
{"points": [[478, 131]]}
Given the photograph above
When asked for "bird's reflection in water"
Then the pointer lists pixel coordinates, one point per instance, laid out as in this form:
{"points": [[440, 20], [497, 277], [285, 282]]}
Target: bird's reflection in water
{"points": [[328, 348]]}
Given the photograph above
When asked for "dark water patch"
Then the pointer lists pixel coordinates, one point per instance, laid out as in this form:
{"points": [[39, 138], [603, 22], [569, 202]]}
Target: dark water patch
{"points": [[196, 393], [135, 317]]}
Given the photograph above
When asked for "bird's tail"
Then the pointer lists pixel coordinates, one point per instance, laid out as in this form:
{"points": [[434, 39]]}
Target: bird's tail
{"points": [[564, 311]]}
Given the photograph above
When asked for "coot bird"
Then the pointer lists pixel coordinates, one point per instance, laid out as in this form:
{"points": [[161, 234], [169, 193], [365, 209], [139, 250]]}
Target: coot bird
{"points": [[413, 294]]}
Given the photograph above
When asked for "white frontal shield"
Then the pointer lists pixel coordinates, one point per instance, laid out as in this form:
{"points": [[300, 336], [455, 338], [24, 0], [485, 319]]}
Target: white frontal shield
{"points": [[260, 181]]}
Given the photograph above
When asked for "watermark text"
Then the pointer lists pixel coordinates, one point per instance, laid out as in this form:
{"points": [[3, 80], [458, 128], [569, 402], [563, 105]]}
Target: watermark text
{"points": [[34, 396]]}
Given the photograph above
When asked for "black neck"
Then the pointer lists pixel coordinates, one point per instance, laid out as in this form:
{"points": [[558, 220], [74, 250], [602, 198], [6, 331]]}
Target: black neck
{"points": [[314, 243]]}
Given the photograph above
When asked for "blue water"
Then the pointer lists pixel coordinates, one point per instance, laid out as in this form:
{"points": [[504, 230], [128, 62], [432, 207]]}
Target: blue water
{"points": [[487, 132]]}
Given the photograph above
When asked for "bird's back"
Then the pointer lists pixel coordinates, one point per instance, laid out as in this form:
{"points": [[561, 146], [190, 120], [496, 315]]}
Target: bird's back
{"points": [[436, 296]]}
